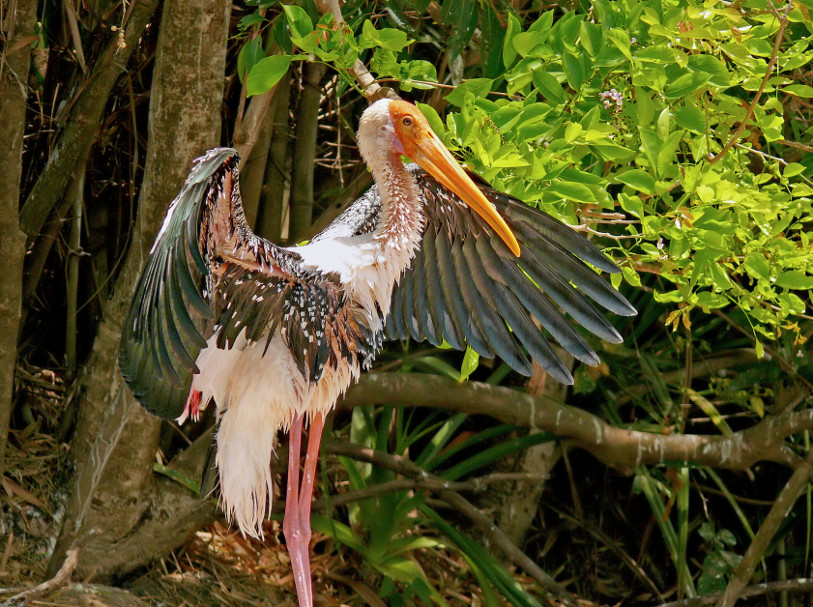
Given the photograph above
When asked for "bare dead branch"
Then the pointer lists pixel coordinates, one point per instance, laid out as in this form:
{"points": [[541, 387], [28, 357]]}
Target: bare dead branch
{"points": [[756, 550], [62, 577], [797, 585], [454, 499]]}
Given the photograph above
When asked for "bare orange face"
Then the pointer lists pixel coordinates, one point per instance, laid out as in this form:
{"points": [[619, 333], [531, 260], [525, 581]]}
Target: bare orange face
{"points": [[423, 146]]}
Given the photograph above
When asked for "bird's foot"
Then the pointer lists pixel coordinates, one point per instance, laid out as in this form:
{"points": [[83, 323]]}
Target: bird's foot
{"points": [[192, 407]]}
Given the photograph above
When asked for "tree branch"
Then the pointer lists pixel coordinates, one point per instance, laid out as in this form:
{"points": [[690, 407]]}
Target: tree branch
{"points": [[62, 577], [15, 29], [797, 585], [616, 447], [783, 21], [365, 79], [455, 500], [302, 165], [756, 550], [248, 127], [82, 126]]}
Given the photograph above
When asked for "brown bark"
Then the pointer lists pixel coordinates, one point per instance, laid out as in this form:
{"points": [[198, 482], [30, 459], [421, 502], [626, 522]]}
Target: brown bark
{"points": [[270, 214], [81, 128], [616, 447], [252, 171], [91, 595], [18, 24], [516, 502], [113, 501], [307, 122]]}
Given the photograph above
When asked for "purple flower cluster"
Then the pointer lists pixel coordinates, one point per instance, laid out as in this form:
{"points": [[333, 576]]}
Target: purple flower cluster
{"points": [[612, 97]]}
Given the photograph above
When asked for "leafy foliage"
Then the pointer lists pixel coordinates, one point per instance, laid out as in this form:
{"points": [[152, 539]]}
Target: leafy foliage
{"points": [[676, 133], [665, 128]]}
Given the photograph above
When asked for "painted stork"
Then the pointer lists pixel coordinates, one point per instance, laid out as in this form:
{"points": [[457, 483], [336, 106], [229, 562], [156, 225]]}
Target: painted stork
{"points": [[274, 335]]}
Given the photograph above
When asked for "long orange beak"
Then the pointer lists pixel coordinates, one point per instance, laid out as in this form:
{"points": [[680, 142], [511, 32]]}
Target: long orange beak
{"points": [[424, 147]]}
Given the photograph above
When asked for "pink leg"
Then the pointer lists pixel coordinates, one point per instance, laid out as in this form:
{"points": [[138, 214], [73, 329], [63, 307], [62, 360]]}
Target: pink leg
{"points": [[297, 522]]}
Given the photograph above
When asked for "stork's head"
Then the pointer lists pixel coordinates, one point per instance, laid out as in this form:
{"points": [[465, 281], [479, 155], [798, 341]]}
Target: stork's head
{"points": [[391, 127]]}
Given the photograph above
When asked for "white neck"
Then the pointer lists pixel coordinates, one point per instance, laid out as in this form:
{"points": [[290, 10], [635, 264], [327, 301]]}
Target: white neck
{"points": [[371, 265], [401, 221]]}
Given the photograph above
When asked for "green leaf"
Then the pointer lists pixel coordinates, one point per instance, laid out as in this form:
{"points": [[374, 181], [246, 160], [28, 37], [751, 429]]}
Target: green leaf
{"points": [[691, 119], [718, 74], [298, 20], [631, 204], [492, 35], [541, 27], [572, 191], [471, 360], [656, 54], [643, 106], [621, 40], [685, 84], [461, 17], [266, 73], [573, 70], [548, 86], [800, 90], [479, 87], [248, 57], [638, 179], [509, 53], [529, 44], [387, 38], [591, 37], [793, 279], [793, 169], [757, 266], [719, 276], [431, 117]]}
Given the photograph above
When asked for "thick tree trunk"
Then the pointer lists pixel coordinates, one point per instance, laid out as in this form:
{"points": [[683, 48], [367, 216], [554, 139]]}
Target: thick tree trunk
{"points": [[307, 122], [270, 216], [18, 24], [515, 502], [113, 500]]}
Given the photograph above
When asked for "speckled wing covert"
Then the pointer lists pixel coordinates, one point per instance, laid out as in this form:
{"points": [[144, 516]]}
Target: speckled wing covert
{"points": [[466, 287], [208, 273]]}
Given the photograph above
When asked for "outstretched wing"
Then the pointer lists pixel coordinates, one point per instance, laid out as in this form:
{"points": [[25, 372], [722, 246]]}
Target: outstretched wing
{"points": [[161, 336], [466, 287], [208, 274]]}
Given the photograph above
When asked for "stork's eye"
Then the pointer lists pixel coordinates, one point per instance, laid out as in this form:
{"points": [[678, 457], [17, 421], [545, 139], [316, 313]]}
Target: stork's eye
{"points": [[406, 121]]}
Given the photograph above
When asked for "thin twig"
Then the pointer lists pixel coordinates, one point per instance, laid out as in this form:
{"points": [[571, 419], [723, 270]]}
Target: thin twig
{"points": [[776, 515], [797, 585], [786, 366], [781, 161], [454, 499], [475, 485], [797, 145], [783, 21], [62, 577]]}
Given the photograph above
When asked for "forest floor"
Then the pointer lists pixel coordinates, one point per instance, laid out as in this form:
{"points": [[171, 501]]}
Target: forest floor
{"points": [[218, 568]]}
